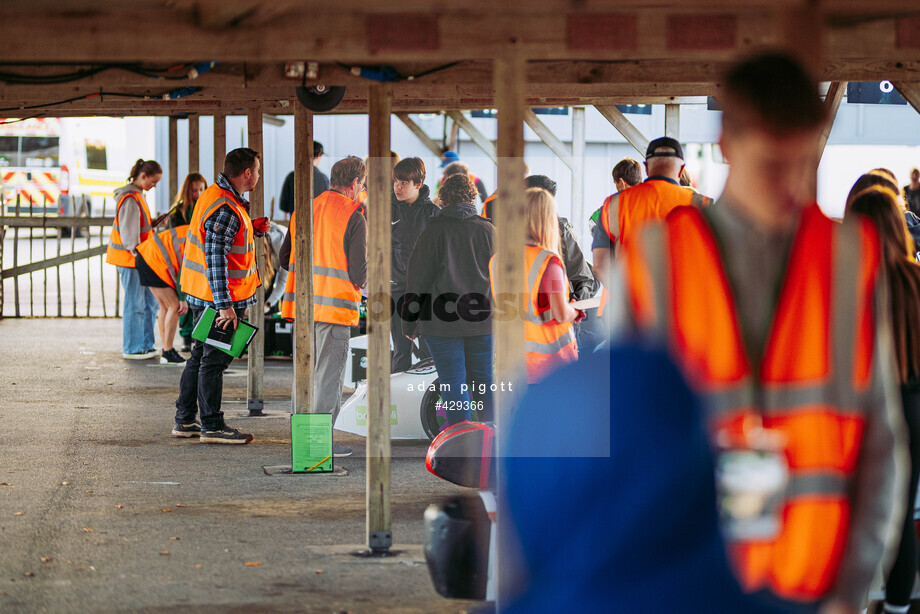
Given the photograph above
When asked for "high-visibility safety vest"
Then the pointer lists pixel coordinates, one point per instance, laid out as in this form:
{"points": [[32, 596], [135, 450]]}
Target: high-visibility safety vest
{"points": [[811, 382], [336, 300], [487, 205], [163, 253], [242, 273], [549, 344], [116, 253], [652, 199]]}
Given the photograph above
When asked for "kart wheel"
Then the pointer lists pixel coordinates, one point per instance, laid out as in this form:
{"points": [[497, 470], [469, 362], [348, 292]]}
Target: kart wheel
{"points": [[432, 413]]}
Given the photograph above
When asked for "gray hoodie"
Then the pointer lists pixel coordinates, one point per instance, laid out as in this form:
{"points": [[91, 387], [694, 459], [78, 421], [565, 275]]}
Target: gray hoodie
{"points": [[129, 217]]}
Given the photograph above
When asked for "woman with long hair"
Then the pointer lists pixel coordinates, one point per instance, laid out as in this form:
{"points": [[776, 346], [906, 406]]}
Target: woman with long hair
{"points": [[881, 204], [192, 187], [548, 329], [184, 204], [132, 226]]}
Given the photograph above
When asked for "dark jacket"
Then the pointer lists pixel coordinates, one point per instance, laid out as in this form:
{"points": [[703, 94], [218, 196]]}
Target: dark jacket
{"points": [[582, 283], [407, 223], [450, 261], [286, 201]]}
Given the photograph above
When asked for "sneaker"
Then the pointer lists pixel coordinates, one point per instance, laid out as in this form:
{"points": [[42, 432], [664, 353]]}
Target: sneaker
{"points": [[187, 430], [171, 357], [225, 435], [140, 355], [338, 450]]}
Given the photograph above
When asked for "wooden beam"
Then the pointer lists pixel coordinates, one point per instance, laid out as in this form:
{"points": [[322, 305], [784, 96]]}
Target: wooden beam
{"points": [[379, 534], [303, 261], [579, 217], [549, 139], [625, 127], [477, 137], [420, 134], [672, 121], [508, 266], [194, 140], [911, 92], [256, 389], [835, 94], [330, 31], [220, 143], [173, 156]]}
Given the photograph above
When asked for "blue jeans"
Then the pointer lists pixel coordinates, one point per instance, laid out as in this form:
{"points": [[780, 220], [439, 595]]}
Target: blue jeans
{"points": [[462, 362], [139, 313]]}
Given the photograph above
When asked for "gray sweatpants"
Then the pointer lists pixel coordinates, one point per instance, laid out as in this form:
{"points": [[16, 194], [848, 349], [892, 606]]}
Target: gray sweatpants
{"points": [[330, 353]]}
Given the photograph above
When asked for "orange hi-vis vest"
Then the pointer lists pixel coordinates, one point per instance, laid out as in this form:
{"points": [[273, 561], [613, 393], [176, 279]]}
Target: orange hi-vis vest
{"points": [[549, 344], [652, 199], [486, 213], [242, 273], [811, 383], [163, 253], [336, 300], [116, 253]]}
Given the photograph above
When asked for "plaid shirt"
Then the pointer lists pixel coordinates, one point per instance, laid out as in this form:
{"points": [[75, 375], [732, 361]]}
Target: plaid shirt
{"points": [[220, 229]]}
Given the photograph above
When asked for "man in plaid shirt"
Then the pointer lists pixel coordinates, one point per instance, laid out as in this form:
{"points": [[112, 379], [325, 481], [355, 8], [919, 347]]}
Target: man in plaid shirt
{"points": [[201, 384]]}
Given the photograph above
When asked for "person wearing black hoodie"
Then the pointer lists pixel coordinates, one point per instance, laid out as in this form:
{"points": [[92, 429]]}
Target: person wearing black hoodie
{"points": [[411, 211], [448, 299]]}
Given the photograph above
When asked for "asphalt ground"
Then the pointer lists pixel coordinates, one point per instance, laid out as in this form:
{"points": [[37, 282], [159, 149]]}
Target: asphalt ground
{"points": [[102, 510]]}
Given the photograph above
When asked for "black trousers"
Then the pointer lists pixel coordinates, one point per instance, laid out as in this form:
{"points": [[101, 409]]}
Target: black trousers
{"points": [[402, 347], [202, 383]]}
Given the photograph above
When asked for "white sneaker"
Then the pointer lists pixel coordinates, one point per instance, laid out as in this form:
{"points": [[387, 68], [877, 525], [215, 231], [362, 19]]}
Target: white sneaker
{"points": [[141, 355]]}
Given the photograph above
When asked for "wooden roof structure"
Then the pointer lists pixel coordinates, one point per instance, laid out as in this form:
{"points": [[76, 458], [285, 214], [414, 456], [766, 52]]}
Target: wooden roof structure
{"points": [[576, 52]]}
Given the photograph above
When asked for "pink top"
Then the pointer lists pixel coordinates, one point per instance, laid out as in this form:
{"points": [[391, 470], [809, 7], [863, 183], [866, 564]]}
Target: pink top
{"points": [[553, 282]]}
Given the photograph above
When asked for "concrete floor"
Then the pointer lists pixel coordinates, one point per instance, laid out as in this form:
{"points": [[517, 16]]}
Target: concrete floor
{"points": [[101, 510]]}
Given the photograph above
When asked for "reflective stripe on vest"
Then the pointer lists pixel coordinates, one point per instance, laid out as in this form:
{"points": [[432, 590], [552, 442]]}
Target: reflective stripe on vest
{"points": [[548, 343], [486, 213], [811, 384], [163, 253], [336, 300], [242, 275], [116, 253]]}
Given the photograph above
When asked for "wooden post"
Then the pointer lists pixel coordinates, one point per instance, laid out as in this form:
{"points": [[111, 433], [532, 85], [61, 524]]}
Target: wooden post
{"points": [[173, 157], [508, 268], [672, 121], [379, 536], [835, 93], [220, 143], [303, 260], [624, 127], [255, 390], [579, 218], [194, 139]]}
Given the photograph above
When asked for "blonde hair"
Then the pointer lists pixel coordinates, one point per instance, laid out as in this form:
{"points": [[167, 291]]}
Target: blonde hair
{"points": [[542, 223]]}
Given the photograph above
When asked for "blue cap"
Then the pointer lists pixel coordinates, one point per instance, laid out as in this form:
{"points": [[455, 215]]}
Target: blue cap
{"points": [[448, 157]]}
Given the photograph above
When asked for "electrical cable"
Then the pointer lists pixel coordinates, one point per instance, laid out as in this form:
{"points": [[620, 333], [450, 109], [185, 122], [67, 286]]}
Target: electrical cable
{"points": [[46, 105], [194, 69]]}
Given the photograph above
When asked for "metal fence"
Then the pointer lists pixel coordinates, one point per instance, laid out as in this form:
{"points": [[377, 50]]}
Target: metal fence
{"points": [[54, 266]]}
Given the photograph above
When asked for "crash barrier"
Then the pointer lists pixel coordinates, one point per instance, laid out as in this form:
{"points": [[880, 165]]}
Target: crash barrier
{"points": [[54, 259]]}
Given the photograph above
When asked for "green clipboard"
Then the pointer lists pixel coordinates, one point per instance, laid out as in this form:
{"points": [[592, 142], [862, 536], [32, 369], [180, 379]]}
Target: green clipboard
{"points": [[233, 342], [311, 443]]}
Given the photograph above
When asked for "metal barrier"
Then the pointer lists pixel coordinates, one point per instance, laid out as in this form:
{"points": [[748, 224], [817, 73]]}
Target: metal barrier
{"points": [[78, 247]]}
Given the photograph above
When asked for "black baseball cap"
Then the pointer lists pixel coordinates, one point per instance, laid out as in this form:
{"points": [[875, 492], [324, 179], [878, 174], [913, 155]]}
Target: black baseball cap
{"points": [[664, 141]]}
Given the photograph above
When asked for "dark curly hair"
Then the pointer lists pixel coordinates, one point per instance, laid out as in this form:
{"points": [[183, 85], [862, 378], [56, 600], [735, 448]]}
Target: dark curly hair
{"points": [[458, 189]]}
